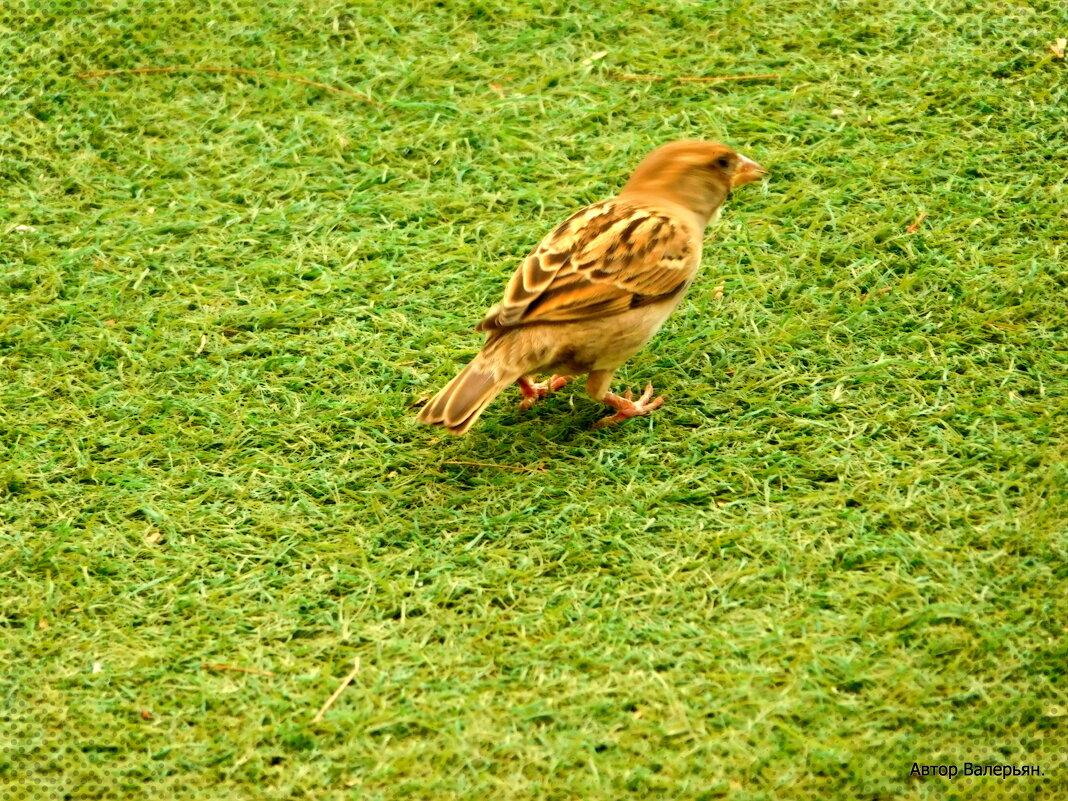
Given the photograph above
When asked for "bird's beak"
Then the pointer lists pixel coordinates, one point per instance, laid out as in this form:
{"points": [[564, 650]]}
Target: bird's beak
{"points": [[747, 172]]}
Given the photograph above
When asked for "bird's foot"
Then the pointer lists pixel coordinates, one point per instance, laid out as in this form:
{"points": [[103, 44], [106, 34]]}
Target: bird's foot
{"points": [[626, 407], [535, 391]]}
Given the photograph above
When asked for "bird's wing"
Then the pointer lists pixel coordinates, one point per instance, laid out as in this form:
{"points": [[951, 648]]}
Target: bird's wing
{"points": [[605, 259]]}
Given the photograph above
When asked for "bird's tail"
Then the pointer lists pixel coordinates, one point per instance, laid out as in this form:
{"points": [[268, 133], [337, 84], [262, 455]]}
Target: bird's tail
{"points": [[460, 402]]}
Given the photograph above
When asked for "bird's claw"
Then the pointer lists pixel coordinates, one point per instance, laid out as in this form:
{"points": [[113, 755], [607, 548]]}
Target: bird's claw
{"points": [[535, 391], [626, 407]]}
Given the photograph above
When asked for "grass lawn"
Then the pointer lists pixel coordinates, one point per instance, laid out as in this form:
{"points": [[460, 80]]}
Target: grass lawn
{"points": [[839, 549]]}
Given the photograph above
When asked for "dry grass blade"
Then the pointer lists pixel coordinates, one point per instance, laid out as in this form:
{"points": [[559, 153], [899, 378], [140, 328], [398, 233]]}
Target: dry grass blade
{"points": [[237, 669], [229, 71], [517, 468], [345, 682], [626, 76]]}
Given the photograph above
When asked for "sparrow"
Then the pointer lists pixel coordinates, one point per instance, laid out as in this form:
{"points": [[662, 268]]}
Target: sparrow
{"points": [[598, 287]]}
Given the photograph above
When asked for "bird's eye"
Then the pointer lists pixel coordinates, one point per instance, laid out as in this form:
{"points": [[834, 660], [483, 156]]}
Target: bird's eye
{"points": [[723, 162]]}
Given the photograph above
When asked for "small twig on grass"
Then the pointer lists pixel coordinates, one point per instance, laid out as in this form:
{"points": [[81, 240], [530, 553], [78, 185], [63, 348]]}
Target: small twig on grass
{"points": [[877, 293], [626, 76], [229, 71], [345, 682], [237, 669], [916, 223], [519, 468]]}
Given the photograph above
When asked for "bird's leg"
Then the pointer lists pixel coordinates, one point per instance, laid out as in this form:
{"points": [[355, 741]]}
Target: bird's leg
{"points": [[626, 407], [535, 391]]}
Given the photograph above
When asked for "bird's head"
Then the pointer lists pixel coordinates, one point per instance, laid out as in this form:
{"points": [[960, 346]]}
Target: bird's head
{"points": [[694, 174]]}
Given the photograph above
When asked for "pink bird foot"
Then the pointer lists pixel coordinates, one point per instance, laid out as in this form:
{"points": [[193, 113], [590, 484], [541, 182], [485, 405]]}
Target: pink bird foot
{"points": [[627, 408], [535, 391]]}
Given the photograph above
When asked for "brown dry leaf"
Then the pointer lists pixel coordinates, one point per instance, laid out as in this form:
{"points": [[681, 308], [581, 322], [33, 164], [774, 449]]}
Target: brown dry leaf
{"points": [[498, 89], [1057, 47], [152, 537], [595, 57], [146, 715]]}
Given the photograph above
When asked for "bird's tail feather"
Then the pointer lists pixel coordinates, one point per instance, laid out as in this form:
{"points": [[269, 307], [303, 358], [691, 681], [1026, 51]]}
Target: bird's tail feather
{"points": [[460, 402]]}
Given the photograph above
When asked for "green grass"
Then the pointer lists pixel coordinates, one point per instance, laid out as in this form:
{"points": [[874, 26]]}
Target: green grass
{"points": [[839, 549]]}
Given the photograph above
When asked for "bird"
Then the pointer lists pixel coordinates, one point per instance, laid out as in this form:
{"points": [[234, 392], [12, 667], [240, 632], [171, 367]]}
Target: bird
{"points": [[598, 288]]}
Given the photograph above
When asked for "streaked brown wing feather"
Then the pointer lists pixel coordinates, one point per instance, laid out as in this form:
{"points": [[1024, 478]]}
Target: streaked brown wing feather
{"points": [[605, 259]]}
